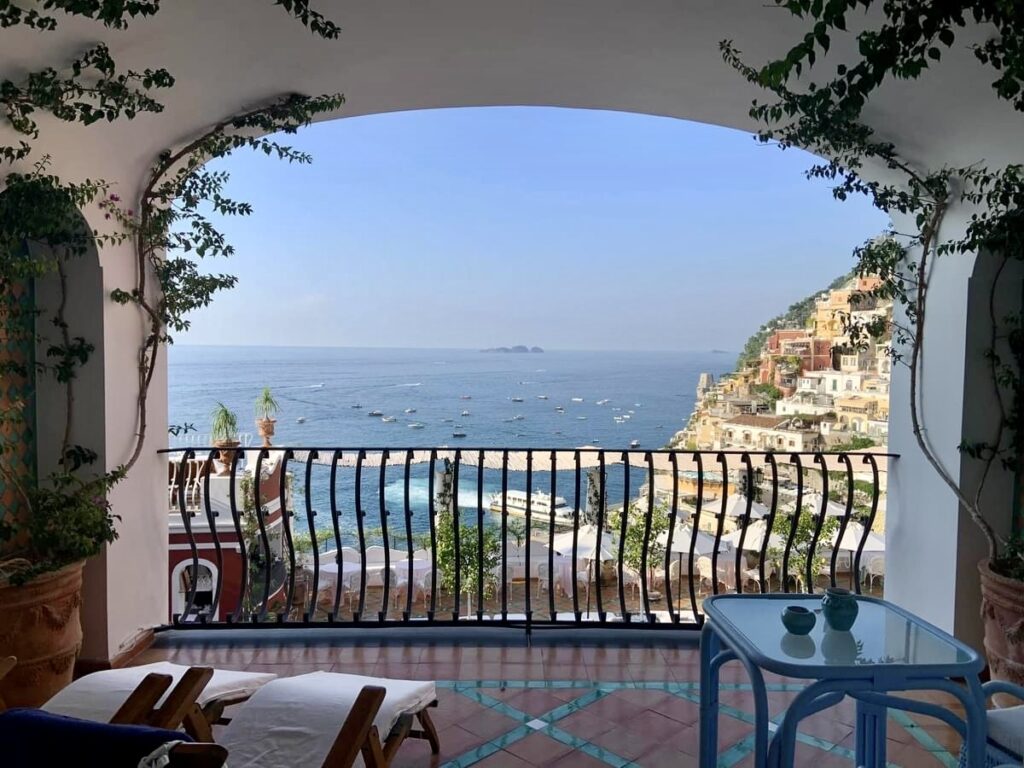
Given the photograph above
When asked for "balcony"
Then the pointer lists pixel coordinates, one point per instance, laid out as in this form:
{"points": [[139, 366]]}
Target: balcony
{"points": [[372, 536]]}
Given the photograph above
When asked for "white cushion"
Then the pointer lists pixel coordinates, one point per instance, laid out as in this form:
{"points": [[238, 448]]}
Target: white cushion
{"points": [[1006, 728], [294, 721], [98, 696]]}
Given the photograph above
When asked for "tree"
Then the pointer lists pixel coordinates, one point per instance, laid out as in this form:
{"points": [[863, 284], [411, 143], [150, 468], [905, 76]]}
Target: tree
{"points": [[800, 549]]}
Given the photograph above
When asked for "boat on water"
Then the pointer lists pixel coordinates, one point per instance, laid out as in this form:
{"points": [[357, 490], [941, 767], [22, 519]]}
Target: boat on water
{"points": [[375, 413], [560, 408], [516, 399], [581, 418], [543, 508], [410, 410], [464, 413], [603, 402], [542, 397], [518, 417], [388, 419], [300, 420], [416, 425], [577, 399], [465, 397], [317, 386], [356, 405], [634, 443], [447, 421], [458, 434]]}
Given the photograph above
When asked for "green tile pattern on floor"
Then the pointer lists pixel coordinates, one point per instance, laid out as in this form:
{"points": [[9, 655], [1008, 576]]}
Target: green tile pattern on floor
{"points": [[593, 692]]}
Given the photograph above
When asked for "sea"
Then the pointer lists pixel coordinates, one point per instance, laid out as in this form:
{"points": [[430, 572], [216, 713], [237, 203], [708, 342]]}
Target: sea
{"points": [[325, 395]]}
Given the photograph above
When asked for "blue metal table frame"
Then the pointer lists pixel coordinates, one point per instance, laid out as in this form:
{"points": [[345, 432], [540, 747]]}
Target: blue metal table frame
{"points": [[870, 684]]}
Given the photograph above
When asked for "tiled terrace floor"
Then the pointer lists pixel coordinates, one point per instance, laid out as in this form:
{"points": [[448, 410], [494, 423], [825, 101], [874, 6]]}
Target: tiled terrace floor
{"points": [[564, 702]]}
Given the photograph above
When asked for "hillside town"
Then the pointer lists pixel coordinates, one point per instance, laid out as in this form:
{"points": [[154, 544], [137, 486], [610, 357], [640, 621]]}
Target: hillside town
{"points": [[808, 388]]}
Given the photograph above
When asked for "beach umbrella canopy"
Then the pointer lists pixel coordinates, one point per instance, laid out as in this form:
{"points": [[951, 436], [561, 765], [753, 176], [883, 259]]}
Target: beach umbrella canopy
{"points": [[682, 537], [832, 508], [852, 536], [754, 538], [586, 544], [736, 506]]}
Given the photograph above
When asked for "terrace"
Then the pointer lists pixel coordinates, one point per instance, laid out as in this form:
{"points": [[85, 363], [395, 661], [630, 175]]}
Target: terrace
{"points": [[624, 691]]}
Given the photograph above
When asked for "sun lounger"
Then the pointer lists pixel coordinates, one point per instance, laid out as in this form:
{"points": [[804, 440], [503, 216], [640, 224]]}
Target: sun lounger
{"points": [[294, 721]]}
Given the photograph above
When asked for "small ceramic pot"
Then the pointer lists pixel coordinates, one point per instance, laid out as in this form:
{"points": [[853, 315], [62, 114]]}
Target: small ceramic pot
{"points": [[798, 620], [839, 606]]}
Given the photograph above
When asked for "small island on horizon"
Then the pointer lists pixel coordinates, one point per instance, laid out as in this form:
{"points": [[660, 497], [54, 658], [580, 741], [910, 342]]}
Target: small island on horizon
{"points": [[518, 349]]}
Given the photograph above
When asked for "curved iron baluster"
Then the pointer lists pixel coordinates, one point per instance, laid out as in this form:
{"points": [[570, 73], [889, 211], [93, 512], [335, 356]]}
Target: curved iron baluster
{"points": [[504, 535], [647, 536], [575, 543], [673, 614], [286, 520], [769, 522], [818, 524], [408, 536], [310, 514], [624, 518], [361, 533], [243, 552], [595, 561], [385, 513], [261, 523], [843, 457], [432, 513], [699, 458], [211, 520], [551, 539], [795, 521], [870, 522], [456, 531], [745, 522], [186, 521], [339, 557], [480, 536], [527, 608], [720, 529]]}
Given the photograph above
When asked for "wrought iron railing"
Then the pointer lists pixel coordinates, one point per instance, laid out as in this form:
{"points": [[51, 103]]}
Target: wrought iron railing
{"points": [[530, 537]]}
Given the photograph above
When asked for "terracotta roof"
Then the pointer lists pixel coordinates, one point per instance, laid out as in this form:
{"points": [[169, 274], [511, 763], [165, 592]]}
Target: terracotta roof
{"points": [[765, 422]]}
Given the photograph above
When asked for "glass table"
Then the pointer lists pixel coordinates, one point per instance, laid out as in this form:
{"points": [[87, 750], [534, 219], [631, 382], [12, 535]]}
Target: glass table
{"points": [[886, 650]]}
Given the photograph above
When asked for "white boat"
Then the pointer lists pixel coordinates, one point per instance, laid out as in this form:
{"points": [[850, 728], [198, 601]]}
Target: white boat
{"points": [[447, 421], [542, 397], [634, 443], [410, 410], [516, 399], [464, 413], [542, 507], [581, 418], [458, 434], [603, 402], [300, 420], [518, 417], [465, 397], [356, 405], [317, 386], [560, 409], [417, 425], [374, 413], [577, 399], [388, 419]]}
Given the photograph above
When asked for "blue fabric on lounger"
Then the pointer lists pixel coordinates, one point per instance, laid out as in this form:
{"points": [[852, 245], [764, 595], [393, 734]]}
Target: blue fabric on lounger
{"points": [[32, 738]]}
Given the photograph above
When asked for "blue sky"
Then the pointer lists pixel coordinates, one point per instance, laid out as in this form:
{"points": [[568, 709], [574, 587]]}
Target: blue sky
{"points": [[568, 229]]}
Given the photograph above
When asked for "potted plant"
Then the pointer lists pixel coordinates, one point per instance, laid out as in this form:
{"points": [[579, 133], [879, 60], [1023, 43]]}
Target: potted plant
{"points": [[224, 436], [904, 42], [266, 409]]}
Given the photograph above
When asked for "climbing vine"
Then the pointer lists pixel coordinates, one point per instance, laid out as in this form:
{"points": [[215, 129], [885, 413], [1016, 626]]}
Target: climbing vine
{"points": [[824, 115], [64, 517]]}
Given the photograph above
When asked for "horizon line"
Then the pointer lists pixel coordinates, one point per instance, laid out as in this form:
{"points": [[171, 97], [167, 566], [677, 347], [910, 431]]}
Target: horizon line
{"points": [[714, 350]]}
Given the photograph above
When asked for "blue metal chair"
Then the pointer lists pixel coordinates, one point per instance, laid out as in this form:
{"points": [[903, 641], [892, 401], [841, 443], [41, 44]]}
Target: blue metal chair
{"points": [[32, 738], [1005, 728]]}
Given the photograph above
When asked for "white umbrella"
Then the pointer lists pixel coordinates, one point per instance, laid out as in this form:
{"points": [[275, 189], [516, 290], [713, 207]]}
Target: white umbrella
{"points": [[814, 499], [754, 538], [586, 543], [736, 506], [683, 536], [852, 536]]}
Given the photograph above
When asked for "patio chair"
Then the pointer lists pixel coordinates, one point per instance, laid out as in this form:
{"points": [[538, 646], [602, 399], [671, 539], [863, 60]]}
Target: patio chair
{"points": [[1005, 728], [873, 569], [33, 738]]}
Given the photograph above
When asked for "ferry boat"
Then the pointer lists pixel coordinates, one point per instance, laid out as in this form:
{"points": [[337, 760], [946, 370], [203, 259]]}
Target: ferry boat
{"points": [[541, 506], [375, 413]]}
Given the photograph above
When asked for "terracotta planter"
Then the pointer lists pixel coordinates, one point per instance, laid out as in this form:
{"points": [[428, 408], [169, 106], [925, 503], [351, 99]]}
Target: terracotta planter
{"points": [[224, 459], [266, 430], [1002, 611], [42, 628]]}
